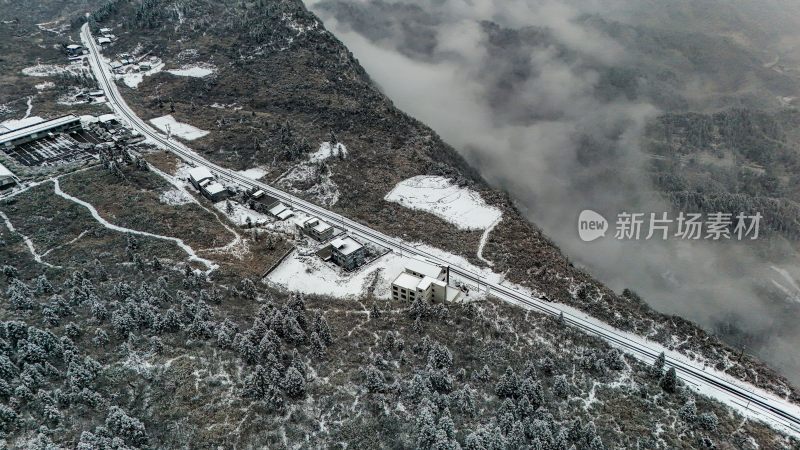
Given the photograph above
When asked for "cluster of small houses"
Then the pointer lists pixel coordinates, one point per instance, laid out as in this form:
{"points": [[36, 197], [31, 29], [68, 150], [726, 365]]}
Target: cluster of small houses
{"points": [[344, 251], [126, 63], [76, 52], [419, 280]]}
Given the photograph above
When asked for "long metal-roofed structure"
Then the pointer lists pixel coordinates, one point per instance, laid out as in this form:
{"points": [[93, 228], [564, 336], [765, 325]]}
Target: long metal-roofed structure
{"points": [[39, 130]]}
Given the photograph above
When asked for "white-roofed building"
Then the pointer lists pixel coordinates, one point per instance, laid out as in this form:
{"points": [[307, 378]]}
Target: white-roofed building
{"points": [[203, 180], [315, 228], [412, 284], [39, 130], [347, 252], [74, 50], [16, 124], [107, 118], [423, 269], [285, 214], [7, 178], [281, 211], [198, 174]]}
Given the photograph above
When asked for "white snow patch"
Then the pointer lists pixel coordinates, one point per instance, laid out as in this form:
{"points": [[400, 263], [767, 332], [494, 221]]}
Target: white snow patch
{"points": [[70, 97], [308, 274], [241, 213], [194, 70], [437, 195], [255, 173], [134, 79], [313, 172], [484, 238], [44, 86], [175, 197], [232, 106], [326, 150], [170, 126], [49, 70]]}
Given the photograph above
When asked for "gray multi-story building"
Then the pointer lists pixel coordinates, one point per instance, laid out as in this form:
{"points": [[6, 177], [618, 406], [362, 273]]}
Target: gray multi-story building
{"points": [[347, 252]]}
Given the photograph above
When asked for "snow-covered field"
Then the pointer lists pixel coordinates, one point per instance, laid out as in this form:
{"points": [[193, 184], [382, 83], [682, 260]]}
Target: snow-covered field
{"points": [[49, 70], [169, 125], [45, 85], [326, 150], [310, 275], [175, 197], [437, 195], [255, 173], [194, 70], [324, 190], [241, 213], [134, 79]]}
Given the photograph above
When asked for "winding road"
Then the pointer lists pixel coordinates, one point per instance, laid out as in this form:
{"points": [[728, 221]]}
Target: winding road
{"points": [[749, 400]]}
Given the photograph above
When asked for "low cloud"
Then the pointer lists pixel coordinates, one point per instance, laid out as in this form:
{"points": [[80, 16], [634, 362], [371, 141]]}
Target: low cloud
{"points": [[523, 107]]}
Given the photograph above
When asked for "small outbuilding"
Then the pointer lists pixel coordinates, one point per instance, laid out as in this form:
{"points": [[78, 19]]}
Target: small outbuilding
{"points": [[7, 178]]}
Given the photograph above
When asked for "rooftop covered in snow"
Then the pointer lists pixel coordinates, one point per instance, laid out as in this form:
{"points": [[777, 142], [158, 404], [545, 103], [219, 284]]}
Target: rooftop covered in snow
{"points": [[199, 173], [40, 127], [346, 245], [423, 268]]}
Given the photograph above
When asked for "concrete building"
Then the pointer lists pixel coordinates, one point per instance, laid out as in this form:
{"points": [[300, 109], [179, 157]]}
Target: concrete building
{"points": [[116, 66], [103, 40], [74, 50], [6, 177], [39, 130], [315, 228], [422, 269], [424, 281], [202, 179], [260, 201], [347, 253]]}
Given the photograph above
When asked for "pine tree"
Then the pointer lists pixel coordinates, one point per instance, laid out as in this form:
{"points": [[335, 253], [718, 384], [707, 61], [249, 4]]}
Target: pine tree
{"points": [[294, 383], [561, 387], [43, 285], [596, 444], [100, 338], [658, 365], [508, 385], [670, 381], [322, 328], [688, 412], [130, 429], [317, 346]]}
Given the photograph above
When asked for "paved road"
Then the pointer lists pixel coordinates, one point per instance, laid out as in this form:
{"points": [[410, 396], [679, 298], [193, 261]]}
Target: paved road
{"points": [[747, 399]]}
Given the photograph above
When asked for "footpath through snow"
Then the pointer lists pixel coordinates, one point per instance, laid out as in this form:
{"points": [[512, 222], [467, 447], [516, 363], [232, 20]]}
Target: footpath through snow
{"points": [[37, 257], [192, 255]]}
